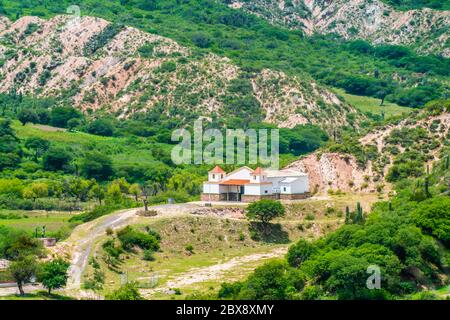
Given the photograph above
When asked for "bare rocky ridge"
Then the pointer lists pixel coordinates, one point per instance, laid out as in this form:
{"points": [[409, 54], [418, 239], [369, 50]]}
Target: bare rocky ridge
{"points": [[425, 29], [100, 67], [337, 171]]}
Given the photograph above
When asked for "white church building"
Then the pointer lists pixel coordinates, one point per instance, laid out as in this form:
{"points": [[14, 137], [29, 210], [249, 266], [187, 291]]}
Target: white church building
{"points": [[247, 185]]}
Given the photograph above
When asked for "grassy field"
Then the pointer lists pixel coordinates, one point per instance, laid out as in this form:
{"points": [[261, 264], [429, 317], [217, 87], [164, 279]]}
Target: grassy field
{"points": [[40, 295], [30, 220], [444, 292], [372, 105], [123, 151]]}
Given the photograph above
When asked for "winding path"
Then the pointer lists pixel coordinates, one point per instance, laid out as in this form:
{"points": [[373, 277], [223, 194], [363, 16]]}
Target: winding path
{"points": [[82, 245], [213, 272], [83, 237]]}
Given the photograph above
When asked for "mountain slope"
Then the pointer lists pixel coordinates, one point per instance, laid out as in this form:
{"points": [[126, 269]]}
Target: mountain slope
{"points": [[414, 141], [425, 29], [98, 65]]}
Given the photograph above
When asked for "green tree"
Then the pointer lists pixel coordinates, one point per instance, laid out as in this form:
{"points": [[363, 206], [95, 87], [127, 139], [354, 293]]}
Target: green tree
{"points": [[57, 158], [299, 252], [38, 145], [347, 277], [265, 210], [78, 188], [10, 150], [15, 245], [201, 40], [113, 193], [123, 184], [101, 127], [97, 192], [59, 116], [359, 215], [27, 115], [35, 190], [348, 218], [96, 165], [269, 282], [23, 270], [127, 291], [433, 216], [73, 123], [136, 191], [130, 238], [53, 274], [186, 181]]}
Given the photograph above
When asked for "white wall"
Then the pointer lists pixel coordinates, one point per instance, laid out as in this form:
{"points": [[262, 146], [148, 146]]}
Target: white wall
{"points": [[213, 188], [258, 189], [301, 185], [285, 188], [266, 187], [215, 176], [275, 181], [243, 174]]}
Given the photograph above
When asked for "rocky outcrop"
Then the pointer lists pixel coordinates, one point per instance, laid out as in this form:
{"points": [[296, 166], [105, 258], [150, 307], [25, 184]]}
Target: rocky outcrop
{"points": [[122, 70], [335, 171], [425, 29]]}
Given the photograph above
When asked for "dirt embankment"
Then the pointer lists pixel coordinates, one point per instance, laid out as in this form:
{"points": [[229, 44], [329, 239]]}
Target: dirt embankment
{"points": [[341, 171], [335, 171]]}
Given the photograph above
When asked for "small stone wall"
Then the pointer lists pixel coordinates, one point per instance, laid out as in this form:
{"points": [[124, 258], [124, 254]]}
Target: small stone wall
{"points": [[210, 197], [48, 242], [297, 196], [252, 198]]}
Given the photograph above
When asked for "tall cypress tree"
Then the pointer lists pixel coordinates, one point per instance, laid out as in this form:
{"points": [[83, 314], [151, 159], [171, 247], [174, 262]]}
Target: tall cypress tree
{"points": [[427, 187], [359, 216], [347, 215]]}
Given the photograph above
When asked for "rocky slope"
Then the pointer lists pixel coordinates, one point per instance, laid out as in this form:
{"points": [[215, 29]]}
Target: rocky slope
{"points": [[102, 66], [337, 171], [425, 29]]}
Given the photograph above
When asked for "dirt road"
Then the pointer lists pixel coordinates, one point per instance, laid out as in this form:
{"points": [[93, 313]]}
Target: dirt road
{"points": [[12, 289], [213, 272], [83, 237]]}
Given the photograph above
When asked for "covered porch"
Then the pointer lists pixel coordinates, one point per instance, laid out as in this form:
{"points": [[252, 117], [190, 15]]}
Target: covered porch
{"points": [[232, 190]]}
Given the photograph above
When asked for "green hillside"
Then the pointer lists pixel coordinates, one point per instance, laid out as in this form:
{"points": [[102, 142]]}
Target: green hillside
{"points": [[252, 43], [86, 154], [418, 4], [373, 106]]}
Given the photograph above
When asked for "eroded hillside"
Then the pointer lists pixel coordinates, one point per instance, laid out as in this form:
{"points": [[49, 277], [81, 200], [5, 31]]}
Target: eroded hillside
{"points": [[425, 29], [98, 65], [413, 142]]}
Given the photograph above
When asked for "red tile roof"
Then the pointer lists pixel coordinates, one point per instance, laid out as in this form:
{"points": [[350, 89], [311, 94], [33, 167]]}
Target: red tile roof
{"points": [[235, 182], [217, 169], [258, 171]]}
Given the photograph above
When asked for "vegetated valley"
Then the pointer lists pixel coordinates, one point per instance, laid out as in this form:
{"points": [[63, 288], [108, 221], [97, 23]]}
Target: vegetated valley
{"points": [[87, 109]]}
